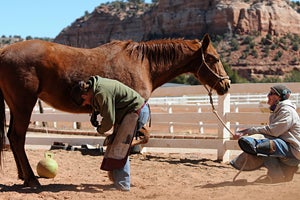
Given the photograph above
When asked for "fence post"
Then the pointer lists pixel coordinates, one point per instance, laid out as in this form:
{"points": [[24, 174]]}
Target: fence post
{"points": [[223, 134], [171, 124], [236, 110], [199, 110]]}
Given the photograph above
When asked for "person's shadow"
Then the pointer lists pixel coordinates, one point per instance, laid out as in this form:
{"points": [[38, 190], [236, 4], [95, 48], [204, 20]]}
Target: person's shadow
{"points": [[239, 182]]}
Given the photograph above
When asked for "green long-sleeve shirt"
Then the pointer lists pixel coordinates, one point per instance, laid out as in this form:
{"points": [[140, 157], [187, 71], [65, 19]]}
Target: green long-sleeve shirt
{"points": [[113, 100]]}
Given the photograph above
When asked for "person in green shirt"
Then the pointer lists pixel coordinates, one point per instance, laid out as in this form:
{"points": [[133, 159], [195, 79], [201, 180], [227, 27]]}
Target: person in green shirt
{"points": [[114, 101]]}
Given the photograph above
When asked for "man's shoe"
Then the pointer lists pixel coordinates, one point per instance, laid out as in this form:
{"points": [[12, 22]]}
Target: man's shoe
{"points": [[122, 188], [248, 145]]}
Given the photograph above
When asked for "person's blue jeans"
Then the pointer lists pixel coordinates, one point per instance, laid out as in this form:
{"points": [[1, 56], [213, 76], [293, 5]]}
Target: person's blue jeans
{"points": [[281, 150], [273, 160], [122, 176]]}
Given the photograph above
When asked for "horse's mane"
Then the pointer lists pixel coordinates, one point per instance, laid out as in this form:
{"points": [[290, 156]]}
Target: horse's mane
{"points": [[161, 52]]}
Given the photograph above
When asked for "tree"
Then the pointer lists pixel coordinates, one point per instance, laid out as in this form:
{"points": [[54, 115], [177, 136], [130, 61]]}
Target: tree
{"points": [[136, 1], [293, 76], [233, 75]]}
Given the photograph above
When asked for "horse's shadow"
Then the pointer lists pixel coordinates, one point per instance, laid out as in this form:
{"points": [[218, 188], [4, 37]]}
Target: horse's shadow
{"points": [[187, 161], [90, 188], [204, 162]]}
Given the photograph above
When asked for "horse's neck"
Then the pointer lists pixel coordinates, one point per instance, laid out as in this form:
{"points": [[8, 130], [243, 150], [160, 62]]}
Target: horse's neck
{"points": [[164, 74], [173, 61]]}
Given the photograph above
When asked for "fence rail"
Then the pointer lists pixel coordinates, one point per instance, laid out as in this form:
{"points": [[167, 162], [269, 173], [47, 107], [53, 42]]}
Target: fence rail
{"points": [[185, 112]]}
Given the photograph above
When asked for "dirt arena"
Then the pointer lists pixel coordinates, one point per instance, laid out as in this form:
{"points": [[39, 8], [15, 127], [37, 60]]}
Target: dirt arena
{"points": [[162, 176]]}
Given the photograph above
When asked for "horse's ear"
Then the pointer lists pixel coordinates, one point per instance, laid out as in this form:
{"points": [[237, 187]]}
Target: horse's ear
{"points": [[205, 41]]}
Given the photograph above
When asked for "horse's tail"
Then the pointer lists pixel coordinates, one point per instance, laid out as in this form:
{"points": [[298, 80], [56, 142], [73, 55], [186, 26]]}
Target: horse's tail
{"points": [[2, 125]]}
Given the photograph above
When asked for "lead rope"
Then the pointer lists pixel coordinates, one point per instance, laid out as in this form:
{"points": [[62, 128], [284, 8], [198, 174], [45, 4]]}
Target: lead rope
{"points": [[240, 170], [215, 111], [220, 119], [213, 107]]}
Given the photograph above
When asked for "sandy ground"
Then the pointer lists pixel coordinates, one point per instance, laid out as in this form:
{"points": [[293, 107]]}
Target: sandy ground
{"points": [[162, 176]]}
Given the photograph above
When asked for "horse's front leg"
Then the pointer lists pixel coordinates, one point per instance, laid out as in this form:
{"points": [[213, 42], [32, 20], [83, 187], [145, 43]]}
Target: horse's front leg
{"points": [[16, 136]]}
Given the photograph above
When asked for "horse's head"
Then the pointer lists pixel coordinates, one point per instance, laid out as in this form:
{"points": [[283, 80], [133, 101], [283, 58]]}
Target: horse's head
{"points": [[211, 71]]}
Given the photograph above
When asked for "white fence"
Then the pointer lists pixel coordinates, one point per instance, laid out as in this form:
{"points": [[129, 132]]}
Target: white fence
{"points": [[182, 116]]}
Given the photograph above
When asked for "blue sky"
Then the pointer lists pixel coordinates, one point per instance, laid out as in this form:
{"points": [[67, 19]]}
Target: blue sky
{"points": [[38, 18]]}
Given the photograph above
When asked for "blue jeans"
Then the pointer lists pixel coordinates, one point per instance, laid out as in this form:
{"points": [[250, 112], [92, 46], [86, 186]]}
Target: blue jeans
{"points": [[122, 176], [282, 150]]}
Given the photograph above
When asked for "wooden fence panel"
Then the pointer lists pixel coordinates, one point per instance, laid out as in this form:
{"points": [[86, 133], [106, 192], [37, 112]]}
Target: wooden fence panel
{"points": [[247, 117], [195, 114]]}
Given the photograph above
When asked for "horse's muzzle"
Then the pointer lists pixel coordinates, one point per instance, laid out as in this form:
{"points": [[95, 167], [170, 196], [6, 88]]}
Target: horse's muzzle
{"points": [[223, 86]]}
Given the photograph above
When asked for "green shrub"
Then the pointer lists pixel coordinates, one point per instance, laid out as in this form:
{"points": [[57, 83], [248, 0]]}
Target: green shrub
{"points": [[277, 56], [235, 45], [295, 46], [293, 76]]}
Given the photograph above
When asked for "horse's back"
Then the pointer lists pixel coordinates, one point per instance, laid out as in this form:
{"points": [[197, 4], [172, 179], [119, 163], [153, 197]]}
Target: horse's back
{"points": [[49, 70]]}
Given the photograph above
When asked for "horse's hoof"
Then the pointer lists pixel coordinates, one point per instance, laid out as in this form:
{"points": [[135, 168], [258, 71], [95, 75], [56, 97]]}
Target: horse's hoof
{"points": [[33, 183], [110, 176], [21, 177]]}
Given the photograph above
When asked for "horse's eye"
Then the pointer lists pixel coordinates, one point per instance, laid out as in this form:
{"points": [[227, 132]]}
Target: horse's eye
{"points": [[211, 59]]}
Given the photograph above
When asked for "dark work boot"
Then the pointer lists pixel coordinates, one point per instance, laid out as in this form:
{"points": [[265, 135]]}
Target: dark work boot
{"points": [[252, 146], [248, 145], [265, 147]]}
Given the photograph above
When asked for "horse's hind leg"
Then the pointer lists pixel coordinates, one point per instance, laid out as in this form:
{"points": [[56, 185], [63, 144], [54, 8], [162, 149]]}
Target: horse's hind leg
{"points": [[143, 135], [9, 133], [17, 135]]}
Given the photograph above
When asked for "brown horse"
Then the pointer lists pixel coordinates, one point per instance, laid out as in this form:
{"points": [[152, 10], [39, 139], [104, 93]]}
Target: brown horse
{"points": [[37, 69]]}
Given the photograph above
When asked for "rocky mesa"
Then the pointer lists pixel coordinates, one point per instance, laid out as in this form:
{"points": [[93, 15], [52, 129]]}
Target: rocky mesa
{"points": [[183, 18]]}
